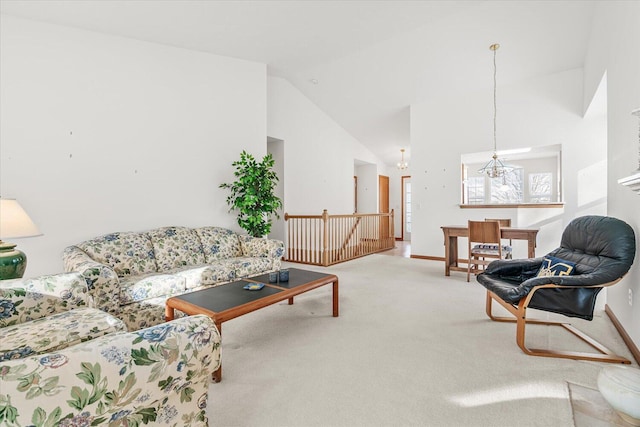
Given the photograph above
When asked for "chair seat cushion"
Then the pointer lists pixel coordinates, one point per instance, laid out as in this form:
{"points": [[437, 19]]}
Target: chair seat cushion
{"points": [[489, 249], [55, 332]]}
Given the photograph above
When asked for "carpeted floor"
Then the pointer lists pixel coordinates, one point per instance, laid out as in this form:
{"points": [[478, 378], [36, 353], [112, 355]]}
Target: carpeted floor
{"points": [[411, 348]]}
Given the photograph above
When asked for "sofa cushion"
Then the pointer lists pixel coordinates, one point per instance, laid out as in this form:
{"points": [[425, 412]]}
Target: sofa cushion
{"points": [[197, 276], [250, 266], [55, 332], [176, 247], [140, 288], [126, 252], [219, 243], [221, 271]]}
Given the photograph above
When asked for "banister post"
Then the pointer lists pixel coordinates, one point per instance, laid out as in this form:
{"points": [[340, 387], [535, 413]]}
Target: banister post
{"points": [[325, 238], [288, 236]]}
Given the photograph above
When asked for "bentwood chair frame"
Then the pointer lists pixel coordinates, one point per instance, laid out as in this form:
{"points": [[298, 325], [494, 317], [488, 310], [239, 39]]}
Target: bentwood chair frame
{"points": [[483, 233], [519, 311]]}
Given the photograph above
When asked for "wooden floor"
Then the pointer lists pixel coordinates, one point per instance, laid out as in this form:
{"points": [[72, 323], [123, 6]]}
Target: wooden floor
{"points": [[403, 249]]}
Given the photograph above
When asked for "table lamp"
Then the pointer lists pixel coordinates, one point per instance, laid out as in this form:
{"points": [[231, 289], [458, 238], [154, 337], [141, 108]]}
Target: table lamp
{"points": [[14, 223]]}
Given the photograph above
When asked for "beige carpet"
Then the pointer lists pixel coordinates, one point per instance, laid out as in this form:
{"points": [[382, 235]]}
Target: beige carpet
{"points": [[410, 348]]}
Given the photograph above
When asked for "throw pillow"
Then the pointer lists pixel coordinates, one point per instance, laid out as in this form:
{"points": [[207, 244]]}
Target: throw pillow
{"points": [[552, 266]]}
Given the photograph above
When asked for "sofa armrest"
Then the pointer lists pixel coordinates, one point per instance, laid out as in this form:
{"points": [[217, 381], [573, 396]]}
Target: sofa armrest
{"points": [[265, 248], [158, 375], [102, 281], [259, 247], [22, 300]]}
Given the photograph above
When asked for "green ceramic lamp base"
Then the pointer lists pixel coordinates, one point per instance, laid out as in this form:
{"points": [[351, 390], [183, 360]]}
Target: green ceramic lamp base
{"points": [[13, 262]]}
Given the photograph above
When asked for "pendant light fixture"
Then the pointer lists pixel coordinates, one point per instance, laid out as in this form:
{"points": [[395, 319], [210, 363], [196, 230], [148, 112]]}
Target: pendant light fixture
{"points": [[495, 168], [402, 165]]}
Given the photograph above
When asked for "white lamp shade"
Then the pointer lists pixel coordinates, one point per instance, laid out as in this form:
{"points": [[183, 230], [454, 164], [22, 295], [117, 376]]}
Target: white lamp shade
{"points": [[14, 221]]}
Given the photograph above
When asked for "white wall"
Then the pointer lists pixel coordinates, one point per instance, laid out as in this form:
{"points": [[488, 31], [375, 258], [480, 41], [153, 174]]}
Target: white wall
{"points": [[103, 134], [319, 154], [275, 147], [542, 111], [614, 47], [367, 188]]}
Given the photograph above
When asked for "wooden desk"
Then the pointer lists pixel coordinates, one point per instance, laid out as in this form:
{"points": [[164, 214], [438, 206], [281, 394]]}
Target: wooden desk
{"points": [[452, 232]]}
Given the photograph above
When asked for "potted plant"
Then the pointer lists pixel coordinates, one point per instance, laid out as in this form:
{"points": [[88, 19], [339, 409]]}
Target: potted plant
{"points": [[252, 194]]}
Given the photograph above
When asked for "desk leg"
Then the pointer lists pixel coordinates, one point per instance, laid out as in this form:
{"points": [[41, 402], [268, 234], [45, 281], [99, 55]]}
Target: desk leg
{"points": [[335, 299], [217, 374], [531, 247], [450, 253]]}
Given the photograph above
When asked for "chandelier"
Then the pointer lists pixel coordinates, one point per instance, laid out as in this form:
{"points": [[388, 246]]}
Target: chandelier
{"points": [[402, 165], [495, 168]]}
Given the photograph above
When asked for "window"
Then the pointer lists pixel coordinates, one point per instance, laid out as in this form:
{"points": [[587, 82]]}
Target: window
{"points": [[535, 178], [540, 187], [475, 190], [507, 189]]}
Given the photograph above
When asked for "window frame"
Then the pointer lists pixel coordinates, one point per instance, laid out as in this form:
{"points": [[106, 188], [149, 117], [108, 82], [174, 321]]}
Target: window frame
{"points": [[530, 161]]}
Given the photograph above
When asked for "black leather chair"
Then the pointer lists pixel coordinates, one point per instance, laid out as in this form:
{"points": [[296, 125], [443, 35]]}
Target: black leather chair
{"points": [[602, 248]]}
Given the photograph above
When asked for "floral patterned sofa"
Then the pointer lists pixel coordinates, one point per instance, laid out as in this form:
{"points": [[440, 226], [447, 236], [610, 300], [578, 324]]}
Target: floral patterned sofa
{"points": [[131, 274], [65, 363]]}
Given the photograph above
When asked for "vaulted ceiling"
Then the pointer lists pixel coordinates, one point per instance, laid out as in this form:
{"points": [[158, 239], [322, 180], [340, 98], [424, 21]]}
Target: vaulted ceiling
{"points": [[362, 62]]}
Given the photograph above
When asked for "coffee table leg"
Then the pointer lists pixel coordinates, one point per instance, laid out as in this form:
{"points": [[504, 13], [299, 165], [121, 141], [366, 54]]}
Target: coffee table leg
{"points": [[290, 301], [169, 313], [217, 374], [335, 298]]}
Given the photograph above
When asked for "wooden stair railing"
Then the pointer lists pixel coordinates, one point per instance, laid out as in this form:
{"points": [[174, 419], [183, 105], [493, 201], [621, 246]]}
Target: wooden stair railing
{"points": [[330, 239], [343, 250]]}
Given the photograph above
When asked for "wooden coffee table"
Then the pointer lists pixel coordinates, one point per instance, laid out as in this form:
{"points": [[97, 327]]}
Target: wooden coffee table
{"points": [[228, 301]]}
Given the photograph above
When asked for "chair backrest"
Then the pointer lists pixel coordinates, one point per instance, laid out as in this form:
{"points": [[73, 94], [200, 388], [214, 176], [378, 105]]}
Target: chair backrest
{"points": [[602, 247], [504, 222], [484, 232]]}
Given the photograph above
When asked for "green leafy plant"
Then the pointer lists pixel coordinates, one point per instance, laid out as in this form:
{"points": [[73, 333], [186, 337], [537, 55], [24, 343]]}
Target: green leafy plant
{"points": [[252, 194]]}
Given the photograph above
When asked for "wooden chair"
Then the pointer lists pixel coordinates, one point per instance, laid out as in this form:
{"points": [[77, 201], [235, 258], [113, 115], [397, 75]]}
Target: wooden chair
{"points": [[504, 222], [602, 249], [484, 242]]}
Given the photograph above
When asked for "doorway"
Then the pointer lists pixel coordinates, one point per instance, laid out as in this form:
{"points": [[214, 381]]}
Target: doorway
{"points": [[383, 204], [406, 208]]}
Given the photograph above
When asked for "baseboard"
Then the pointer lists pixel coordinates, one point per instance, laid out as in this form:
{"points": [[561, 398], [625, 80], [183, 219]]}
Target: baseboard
{"points": [[429, 257], [633, 348]]}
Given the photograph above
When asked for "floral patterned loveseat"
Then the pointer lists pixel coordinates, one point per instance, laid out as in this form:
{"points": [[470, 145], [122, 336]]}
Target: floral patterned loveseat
{"points": [[65, 363], [48, 313], [154, 376], [131, 274]]}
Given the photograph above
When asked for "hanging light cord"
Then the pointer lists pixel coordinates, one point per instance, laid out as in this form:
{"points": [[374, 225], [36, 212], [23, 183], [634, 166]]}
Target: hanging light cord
{"points": [[495, 108]]}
